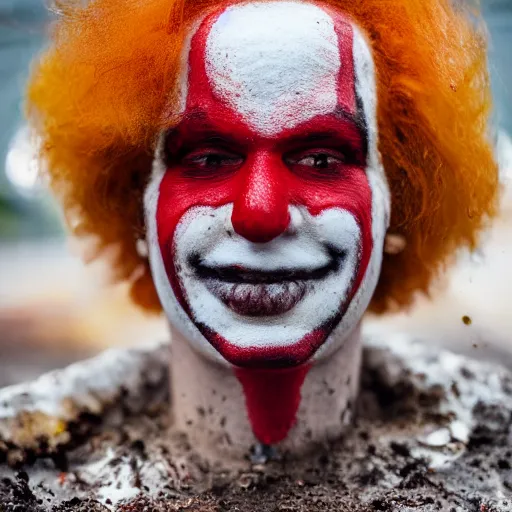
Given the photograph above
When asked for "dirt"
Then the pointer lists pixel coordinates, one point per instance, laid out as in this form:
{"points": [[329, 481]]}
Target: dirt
{"points": [[135, 463]]}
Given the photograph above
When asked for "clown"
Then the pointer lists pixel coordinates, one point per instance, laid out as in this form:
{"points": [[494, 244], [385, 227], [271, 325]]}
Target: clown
{"points": [[264, 152]]}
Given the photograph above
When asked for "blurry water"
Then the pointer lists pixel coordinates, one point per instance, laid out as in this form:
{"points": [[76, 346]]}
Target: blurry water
{"points": [[498, 14], [22, 27]]}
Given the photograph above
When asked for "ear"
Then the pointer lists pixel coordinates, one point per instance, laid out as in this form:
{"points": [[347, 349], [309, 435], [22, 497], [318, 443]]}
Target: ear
{"points": [[394, 244], [142, 248]]}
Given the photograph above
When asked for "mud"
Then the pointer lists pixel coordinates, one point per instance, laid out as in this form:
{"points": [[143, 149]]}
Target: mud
{"points": [[432, 440]]}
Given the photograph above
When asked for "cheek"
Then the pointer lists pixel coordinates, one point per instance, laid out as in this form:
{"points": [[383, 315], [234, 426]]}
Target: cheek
{"points": [[353, 194], [177, 196]]}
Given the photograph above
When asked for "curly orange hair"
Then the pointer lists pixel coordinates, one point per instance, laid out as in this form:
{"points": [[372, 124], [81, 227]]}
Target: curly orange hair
{"points": [[98, 93]]}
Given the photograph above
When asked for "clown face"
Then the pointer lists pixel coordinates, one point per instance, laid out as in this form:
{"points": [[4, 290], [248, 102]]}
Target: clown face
{"points": [[268, 204]]}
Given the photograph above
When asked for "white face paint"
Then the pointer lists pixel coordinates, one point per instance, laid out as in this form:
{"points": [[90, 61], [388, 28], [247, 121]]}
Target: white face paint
{"points": [[248, 62], [298, 294]]}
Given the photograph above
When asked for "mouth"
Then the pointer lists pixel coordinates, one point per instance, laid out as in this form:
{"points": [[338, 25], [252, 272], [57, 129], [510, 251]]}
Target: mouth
{"points": [[255, 292]]}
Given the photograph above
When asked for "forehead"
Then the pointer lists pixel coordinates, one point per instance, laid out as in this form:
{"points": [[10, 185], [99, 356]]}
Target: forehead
{"points": [[276, 64]]}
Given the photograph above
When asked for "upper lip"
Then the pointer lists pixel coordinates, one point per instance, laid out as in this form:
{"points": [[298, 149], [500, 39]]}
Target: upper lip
{"points": [[239, 274]]}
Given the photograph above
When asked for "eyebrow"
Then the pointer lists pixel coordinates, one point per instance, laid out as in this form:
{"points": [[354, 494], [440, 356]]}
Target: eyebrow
{"points": [[206, 126], [212, 132], [358, 119], [318, 136], [204, 129], [196, 113], [341, 113], [199, 114]]}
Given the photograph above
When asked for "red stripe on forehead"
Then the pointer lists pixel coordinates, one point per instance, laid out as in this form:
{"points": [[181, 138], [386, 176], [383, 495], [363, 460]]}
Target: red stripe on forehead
{"points": [[200, 93], [198, 83], [346, 77]]}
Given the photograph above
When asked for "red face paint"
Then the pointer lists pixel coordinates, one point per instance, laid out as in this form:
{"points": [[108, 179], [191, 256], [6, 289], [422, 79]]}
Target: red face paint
{"points": [[272, 398], [215, 158]]}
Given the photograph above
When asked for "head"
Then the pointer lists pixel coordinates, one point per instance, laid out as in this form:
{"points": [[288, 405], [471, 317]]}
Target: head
{"points": [[268, 203], [263, 149]]}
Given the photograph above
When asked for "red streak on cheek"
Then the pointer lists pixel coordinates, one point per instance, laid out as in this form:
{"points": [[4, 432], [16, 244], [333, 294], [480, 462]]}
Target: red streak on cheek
{"points": [[272, 399]]}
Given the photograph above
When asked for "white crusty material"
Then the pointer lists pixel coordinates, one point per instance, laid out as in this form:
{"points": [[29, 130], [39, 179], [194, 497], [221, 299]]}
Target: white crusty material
{"points": [[459, 382], [89, 386], [114, 476]]}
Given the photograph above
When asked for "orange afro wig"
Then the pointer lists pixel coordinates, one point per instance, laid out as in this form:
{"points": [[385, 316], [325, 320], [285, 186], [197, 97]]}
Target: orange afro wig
{"points": [[97, 97]]}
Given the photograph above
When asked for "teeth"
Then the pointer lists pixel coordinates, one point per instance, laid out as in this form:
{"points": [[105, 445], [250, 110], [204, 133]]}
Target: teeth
{"points": [[258, 299]]}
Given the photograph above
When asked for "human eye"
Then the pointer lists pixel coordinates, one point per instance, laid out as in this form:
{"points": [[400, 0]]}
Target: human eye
{"points": [[320, 160], [210, 162], [316, 162]]}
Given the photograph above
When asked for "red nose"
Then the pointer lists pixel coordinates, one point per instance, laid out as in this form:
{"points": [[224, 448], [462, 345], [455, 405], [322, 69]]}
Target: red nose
{"points": [[260, 212]]}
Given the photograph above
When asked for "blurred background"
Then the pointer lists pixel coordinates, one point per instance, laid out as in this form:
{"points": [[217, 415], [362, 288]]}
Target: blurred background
{"points": [[54, 309]]}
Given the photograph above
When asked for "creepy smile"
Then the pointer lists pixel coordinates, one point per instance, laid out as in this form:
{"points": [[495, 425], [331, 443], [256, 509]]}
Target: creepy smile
{"points": [[256, 292]]}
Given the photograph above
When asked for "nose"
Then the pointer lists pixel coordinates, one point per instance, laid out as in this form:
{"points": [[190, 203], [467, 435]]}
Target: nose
{"points": [[260, 212]]}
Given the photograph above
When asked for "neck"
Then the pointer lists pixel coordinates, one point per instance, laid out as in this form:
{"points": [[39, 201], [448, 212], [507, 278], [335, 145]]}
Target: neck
{"points": [[220, 407]]}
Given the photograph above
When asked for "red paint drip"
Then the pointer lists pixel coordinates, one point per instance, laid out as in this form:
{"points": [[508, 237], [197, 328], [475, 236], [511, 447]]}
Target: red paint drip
{"points": [[272, 399]]}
